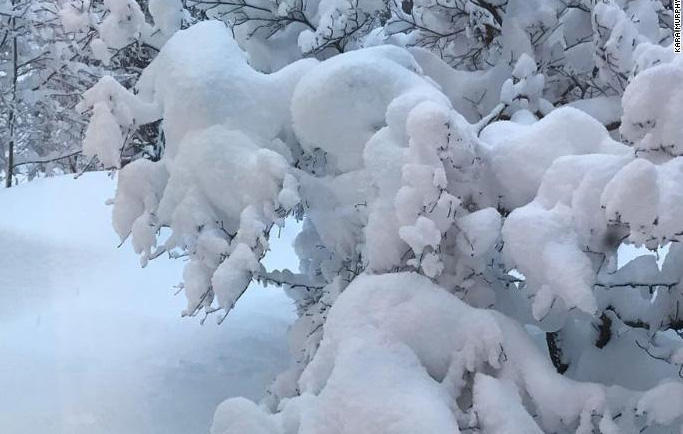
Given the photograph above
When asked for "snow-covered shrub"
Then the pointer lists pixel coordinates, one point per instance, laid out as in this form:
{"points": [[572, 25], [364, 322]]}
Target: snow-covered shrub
{"points": [[459, 269]]}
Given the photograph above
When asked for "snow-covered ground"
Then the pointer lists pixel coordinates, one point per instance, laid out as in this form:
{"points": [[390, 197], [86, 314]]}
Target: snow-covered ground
{"points": [[91, 343]]}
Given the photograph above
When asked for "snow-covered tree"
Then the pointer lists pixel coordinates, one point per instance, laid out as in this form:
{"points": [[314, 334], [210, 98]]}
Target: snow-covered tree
{"points": [[584, 48], [40, 82], [121, 38], [50, 53], [465, 232]]}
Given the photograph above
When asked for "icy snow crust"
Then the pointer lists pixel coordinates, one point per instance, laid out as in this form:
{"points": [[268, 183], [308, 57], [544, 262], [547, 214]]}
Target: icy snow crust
{"points": [[426, 214]]}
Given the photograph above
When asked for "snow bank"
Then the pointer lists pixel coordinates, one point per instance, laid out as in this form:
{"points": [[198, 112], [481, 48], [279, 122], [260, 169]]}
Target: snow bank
{"points": [[92, 344]]}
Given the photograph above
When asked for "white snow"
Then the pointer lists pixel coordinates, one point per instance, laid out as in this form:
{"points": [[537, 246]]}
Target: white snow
{"points": [[361, 84], [124, 23], [91, 343], [167, 15], [652, 111], [392, 178], [498, 403], [479, 231], [114, 110], [72, 17], [519, 154], [379, 368], [662, 404], [201, 78]]}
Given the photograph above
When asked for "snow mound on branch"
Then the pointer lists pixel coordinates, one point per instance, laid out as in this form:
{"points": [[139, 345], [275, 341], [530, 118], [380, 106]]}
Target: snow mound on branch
{"points": [[390, 158], [72, 17], [648, 198], [222, 184], [201, 78], [167, 15], [652, 111], [585, 207], [615, 36], [423, 233], [224, 178], [547, 237], [499, 404], [524, 90], [662, 404], [606, 109], [463, 87], [372, 352], [238, 416], [632, 194], [115, 112], [519, 154], [361, 84], [388, 306], [385, 366], [543, 245], [335, 21], [124, 23], [229, 168], [103, 137], [139, 189], [480, 231]]}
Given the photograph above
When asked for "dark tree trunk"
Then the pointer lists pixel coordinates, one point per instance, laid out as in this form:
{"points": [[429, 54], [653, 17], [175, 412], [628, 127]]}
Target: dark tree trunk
{"points": [[9, 173]]}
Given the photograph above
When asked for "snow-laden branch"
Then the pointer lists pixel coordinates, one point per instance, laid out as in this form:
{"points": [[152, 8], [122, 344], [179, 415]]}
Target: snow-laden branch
{"points": [[452, 220]]}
